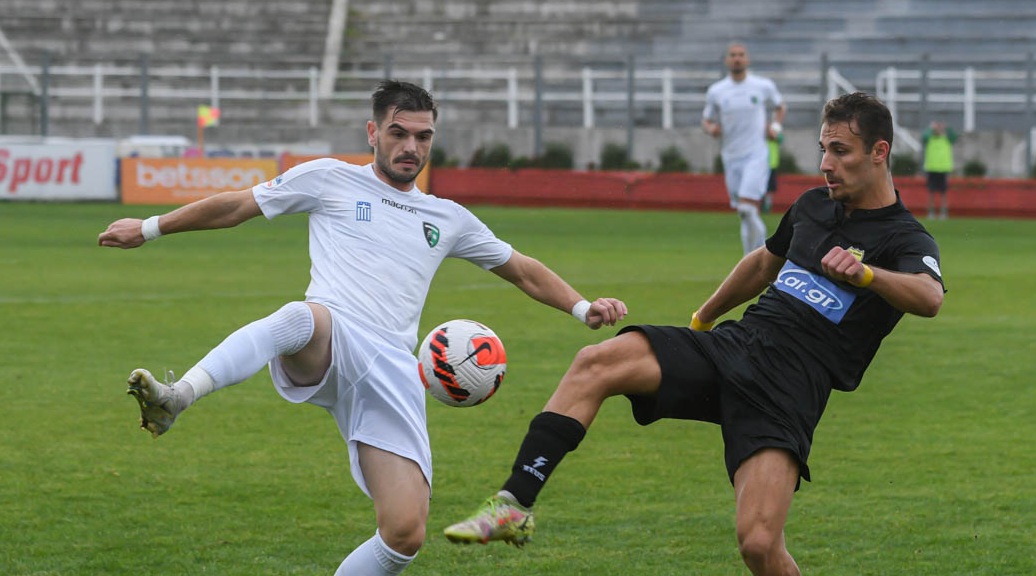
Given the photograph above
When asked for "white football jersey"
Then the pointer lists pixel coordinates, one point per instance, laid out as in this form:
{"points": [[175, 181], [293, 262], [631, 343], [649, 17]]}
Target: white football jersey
{"points": [[741, 108], [374, 249]]}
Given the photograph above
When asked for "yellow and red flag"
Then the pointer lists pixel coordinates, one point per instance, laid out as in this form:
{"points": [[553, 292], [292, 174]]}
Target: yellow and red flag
{"points": [[208, 116]]}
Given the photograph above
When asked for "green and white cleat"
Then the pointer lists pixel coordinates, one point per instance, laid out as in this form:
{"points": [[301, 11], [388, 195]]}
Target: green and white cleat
{"points": [[500, 517], [159, 403]]}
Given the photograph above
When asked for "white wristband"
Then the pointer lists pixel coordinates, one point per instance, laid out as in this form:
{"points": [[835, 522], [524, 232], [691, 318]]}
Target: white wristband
{"points": [[776, 127], [580, 309], [149, 228]]}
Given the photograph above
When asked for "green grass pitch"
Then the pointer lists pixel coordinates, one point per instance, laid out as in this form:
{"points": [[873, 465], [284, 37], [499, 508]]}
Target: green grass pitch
{"points": [[929, 468]]}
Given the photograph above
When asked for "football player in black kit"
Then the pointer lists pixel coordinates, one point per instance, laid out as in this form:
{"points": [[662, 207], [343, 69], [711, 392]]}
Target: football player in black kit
{"points": [[844, 265]]}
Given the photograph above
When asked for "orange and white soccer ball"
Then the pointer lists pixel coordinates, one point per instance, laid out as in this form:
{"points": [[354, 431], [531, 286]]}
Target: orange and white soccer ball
{"points": [[462, 362]]}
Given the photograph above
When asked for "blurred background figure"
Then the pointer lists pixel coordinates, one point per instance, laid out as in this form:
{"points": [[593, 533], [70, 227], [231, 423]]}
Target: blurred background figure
{"points": [[938, 142], [774, 146], [737, 110]]}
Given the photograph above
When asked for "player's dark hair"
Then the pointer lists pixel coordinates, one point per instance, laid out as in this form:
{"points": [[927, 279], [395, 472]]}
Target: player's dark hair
{"points": [[873, 119], [401, 96]]}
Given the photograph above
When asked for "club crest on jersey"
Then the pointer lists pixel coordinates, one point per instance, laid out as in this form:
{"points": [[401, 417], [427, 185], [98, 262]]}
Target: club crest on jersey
{"points": [[857, 253], [431, 234]]}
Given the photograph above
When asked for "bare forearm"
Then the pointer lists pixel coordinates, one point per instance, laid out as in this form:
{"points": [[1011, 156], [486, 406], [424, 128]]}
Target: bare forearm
{"points": [[917, 294], [747, 280], [544, 285], [220, 211], [223, 210]]}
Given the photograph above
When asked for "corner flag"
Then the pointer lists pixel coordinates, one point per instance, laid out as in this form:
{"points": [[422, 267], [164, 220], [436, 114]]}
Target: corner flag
{"points": [[208, 116]]}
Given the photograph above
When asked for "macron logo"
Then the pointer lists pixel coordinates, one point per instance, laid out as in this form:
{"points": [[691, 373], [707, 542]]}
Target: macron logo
{"points": [[540, 461]]}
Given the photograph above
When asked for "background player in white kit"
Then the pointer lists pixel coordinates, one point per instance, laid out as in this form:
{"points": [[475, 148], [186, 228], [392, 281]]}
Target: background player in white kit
{"points": [[736, 109], [375, 244]]}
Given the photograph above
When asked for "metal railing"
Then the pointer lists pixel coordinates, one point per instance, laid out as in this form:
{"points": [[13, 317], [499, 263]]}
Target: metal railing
{"points": [[969, 91]]}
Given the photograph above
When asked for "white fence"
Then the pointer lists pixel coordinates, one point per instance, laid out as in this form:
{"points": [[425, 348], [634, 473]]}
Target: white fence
{"points": [[968, 92], [964, 89]]}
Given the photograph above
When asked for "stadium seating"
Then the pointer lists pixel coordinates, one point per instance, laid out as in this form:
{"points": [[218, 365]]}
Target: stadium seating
{"points": [[263, 33], [291, 33]]}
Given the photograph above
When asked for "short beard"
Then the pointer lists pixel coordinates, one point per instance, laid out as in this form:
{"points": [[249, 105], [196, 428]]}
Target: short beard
{"points": [[395, 175]]}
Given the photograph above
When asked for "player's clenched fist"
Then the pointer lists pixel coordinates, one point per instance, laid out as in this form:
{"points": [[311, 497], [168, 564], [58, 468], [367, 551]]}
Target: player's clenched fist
{"points": [[840, 264]]}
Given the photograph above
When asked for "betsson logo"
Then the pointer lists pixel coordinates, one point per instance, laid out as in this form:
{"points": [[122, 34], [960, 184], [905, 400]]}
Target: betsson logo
{"points": [[182, 176]]}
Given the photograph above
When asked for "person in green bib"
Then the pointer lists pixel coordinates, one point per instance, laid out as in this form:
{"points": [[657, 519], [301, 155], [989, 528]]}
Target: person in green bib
{"points": [[938, 164], [774, 147]]}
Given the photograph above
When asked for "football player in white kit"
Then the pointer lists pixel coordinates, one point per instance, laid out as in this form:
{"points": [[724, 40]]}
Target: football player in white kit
{"points": [[736, 110], [375, 242]]}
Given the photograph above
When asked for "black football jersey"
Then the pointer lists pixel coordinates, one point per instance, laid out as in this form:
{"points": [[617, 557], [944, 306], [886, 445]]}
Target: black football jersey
{"points": [[835, 323]]}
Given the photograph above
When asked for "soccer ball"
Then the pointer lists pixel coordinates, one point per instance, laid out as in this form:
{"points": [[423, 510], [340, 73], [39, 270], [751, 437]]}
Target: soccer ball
{"points": [[461, 362]]}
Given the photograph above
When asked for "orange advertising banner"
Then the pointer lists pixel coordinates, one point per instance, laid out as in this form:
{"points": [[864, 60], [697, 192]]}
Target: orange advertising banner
{"points": [[289, 160], [184, 180]]}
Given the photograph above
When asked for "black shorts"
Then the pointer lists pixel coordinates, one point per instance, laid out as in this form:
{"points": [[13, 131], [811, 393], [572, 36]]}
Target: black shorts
{"points": [[937, 182], [742, 379]]}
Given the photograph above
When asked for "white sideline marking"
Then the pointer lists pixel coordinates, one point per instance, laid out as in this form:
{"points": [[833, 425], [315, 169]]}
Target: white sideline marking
{"points": [[134, 297]]}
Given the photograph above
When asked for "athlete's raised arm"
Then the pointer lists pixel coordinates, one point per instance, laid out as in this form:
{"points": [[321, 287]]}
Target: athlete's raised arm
{"points": [[223, 210], [918, 294]]}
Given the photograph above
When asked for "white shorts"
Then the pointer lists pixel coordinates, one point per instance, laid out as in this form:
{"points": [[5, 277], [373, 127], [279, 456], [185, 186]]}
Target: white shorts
{"points": [[374, 393], [747, 177]]}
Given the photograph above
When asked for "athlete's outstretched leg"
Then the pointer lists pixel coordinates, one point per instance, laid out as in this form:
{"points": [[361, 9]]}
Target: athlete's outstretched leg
{"points": [[297, 328], [625, 364]]}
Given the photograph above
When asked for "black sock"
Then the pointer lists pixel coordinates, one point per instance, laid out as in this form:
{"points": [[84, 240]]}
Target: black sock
{"points": [[550, 437]]}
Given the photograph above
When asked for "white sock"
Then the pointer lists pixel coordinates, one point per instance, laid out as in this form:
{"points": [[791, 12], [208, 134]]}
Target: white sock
{"points": [[374, 558], [753, 229], [194, 384], [249, 348]]}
